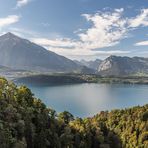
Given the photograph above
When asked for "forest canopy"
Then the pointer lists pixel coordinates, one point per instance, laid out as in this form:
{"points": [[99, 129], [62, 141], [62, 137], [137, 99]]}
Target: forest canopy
{"points": [[26, 122]]}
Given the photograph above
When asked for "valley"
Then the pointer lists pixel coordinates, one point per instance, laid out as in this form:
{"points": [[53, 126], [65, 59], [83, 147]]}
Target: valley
{"points": [[73, 74]]}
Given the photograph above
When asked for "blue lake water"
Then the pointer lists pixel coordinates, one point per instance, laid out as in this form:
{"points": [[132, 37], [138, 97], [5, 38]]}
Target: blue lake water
{"points": [[88, 99]]}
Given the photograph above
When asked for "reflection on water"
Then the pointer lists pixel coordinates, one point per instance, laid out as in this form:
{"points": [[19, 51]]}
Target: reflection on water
{"points": [[88, 99]]}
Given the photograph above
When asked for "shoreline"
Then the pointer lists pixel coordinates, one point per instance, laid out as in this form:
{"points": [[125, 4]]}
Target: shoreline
{"points": [[62, 79]]}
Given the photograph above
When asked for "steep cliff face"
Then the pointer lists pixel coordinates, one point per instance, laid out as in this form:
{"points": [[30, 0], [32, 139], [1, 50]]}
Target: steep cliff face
{"points": [[115, 65]]}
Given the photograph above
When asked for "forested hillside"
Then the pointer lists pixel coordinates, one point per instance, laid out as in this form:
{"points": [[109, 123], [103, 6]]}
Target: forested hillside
{"points": [[25, 122]]}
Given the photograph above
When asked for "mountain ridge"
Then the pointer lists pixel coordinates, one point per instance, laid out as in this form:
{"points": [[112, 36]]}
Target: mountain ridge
{"points": [[18, 53], [93, 64], [117, 65]]}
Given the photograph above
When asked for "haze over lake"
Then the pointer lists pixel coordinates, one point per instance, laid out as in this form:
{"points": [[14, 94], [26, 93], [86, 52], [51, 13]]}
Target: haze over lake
{"points": [[84, 100]]}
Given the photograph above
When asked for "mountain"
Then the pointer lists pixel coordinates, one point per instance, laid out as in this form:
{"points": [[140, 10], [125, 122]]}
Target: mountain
{"points": [[120, 66], [90, 64], [18, 53]]}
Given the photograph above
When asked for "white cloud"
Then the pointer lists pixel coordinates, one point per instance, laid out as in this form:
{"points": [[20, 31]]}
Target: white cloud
{"points": [[61, 42], [21, 3], [11, 19], [142, 43], [72, 48], [107, 29], [139, 20]]}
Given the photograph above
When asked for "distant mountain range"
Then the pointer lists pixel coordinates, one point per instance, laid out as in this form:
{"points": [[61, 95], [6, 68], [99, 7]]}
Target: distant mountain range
{"points": [[18, 53], [21, 54], [118, 66], [90, 64], [121, 66]]}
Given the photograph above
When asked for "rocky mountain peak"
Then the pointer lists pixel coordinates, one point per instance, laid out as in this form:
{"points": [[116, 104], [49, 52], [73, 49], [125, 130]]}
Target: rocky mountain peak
{"points": [[10, 37], [117, 65]]}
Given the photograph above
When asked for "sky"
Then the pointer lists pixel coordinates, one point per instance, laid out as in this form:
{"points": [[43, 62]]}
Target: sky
{"points": [[80, 29]]}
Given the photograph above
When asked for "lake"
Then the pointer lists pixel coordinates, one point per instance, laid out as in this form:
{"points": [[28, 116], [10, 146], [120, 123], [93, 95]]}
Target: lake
{"points": [[83, 100]]}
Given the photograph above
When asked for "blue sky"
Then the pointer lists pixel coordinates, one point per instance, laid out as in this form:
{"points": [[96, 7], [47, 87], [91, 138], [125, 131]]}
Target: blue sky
{"points": [[80, 29]]}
